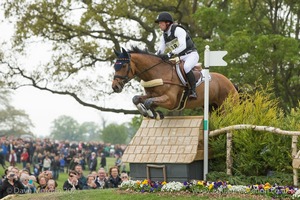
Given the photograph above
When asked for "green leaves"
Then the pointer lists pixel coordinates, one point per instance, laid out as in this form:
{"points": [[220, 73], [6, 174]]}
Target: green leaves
{"points": [[115, 134], [254, 152]]}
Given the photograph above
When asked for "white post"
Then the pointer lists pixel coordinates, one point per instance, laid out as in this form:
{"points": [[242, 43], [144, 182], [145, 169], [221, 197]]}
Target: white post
{"points": [[206, 107]]}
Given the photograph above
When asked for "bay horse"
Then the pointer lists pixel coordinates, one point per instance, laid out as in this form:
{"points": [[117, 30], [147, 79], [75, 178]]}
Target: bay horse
{"points": [[163, 85]]}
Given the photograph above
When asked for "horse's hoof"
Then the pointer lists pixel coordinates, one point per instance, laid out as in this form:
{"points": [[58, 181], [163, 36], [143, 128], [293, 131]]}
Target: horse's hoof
{"points": [[159, 115], [141, 108]]}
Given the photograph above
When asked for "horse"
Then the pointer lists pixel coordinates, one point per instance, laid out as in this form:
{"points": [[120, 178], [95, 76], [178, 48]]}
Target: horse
{"points": [[163, 83]]}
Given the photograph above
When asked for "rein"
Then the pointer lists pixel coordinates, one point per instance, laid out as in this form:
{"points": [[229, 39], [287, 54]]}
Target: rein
{"points": [[167, 82], [145, 70]]}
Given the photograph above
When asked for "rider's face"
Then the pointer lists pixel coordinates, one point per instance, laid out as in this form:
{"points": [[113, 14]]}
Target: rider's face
{"points": [[162, 25]]}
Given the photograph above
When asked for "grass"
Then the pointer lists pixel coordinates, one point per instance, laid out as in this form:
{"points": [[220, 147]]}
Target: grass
{"points": [[113, 194]]}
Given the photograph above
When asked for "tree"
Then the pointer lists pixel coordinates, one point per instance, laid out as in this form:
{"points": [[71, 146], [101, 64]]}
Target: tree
{"points": [[65, 128], [262, 40], [12, 121], [261, 37], [115, 134], [254, 153], [134, 126], [90, 131], [83, 44]]}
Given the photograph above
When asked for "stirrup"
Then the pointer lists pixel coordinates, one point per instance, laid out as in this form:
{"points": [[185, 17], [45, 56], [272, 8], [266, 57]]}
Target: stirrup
{"points": [[193, 95]]}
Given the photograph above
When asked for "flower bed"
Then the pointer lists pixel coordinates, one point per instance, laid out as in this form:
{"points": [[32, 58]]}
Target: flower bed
{"points": [[197, 187]]}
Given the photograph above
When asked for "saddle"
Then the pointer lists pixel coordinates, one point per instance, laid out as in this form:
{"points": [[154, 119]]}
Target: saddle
{"points": [[197, 71]]}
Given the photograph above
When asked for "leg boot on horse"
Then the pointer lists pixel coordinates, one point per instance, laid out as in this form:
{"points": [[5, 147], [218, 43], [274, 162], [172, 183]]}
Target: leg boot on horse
{"points": [[192, 82]]}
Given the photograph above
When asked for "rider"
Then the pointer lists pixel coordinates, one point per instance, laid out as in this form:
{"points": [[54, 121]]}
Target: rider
{"points": [[176, 41]]}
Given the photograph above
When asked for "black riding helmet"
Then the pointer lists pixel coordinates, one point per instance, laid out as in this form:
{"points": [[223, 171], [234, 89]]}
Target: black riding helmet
{"points": [[164, 17]]}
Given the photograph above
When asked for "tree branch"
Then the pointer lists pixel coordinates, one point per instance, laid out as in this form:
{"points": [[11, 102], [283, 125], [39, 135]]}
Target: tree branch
{"points": [[75, 96]]}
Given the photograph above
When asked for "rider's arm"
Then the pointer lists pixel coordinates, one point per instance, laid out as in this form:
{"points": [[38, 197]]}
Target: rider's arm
{"points": [[180, 33], [162, 46]]}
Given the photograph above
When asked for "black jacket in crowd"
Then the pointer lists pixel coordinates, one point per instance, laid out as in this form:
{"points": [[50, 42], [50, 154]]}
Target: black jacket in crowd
{"points": [[8, 189]]}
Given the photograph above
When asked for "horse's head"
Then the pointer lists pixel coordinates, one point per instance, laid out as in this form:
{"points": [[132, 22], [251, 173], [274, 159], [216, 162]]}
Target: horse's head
{"points": [[122, 70]]}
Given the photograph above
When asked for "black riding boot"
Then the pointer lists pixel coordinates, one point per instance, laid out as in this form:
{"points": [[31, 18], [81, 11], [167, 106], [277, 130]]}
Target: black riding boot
{"points": [[192, 82]]}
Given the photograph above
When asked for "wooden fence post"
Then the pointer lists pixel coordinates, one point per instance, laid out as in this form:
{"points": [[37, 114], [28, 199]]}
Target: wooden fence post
{"points": [[228, 153], [294, 153]]}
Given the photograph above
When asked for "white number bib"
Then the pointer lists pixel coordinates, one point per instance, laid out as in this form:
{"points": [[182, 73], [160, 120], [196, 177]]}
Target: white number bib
{"points": [[170, 46]]}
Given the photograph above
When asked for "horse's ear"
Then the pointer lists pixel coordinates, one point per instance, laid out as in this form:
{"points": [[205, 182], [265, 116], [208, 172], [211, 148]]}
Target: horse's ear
{"points": [[117, 52], [125, 52]]}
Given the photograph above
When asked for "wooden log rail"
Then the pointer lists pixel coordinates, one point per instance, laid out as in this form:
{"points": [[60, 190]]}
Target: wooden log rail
{"points": [[228, 130]]}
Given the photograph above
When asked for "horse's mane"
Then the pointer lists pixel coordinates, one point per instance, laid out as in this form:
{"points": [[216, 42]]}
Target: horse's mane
{"points": [[135, 49]]}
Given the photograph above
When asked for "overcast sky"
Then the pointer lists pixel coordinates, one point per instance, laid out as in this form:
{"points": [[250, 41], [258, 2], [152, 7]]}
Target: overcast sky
{"points": [[43, 107]]}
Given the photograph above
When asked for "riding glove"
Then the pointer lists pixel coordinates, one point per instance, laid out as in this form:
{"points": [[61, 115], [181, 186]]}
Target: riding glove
{"points": [[167, 56]]}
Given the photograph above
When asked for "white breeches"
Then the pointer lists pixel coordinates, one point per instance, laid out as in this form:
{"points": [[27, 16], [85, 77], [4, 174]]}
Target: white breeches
{"points": [[190, 60]]}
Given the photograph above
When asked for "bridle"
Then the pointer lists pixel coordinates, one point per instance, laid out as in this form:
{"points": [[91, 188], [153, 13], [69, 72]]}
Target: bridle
{"points": [[125, 79]]}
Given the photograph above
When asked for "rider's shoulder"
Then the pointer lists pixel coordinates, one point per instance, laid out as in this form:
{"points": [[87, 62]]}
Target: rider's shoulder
{"points": [[177, 25]]}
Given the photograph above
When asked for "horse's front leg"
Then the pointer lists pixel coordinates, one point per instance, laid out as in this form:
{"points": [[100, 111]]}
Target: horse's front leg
{"points": [[138, 101], [153, 102]]}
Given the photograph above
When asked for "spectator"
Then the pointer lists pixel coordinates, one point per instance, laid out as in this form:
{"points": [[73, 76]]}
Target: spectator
{"points": [[4, 149], [75, 161], [25, 181], [42, 183], [90, 183], [82, 161], [16, 171], [32, 180], [35, 158], [101, 178], [71, 183], [103, 160], [68, 159], [23, 172], [27, 168], [124, 176], [114, 179], [112, 150], [40, 161], [118, 162], [24, 157], [51, 186], [62, 163], [82, 180], [11, 185], [93, 162], [55, 166], [48, 175], [2, 159], [94, 173], [19, 151], [46, 163], [36, 170], [12, 158]]}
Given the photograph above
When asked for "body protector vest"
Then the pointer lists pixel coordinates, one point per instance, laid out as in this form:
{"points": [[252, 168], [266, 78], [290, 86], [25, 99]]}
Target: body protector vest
{"points": [[172, 41]]}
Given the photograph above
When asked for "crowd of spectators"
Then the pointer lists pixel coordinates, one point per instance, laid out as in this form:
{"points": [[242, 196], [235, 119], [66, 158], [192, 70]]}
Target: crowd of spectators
{"points": [[42, 161]]}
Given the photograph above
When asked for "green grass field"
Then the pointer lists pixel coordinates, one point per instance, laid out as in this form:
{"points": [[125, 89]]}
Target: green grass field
{"points": [[114, 194]]}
